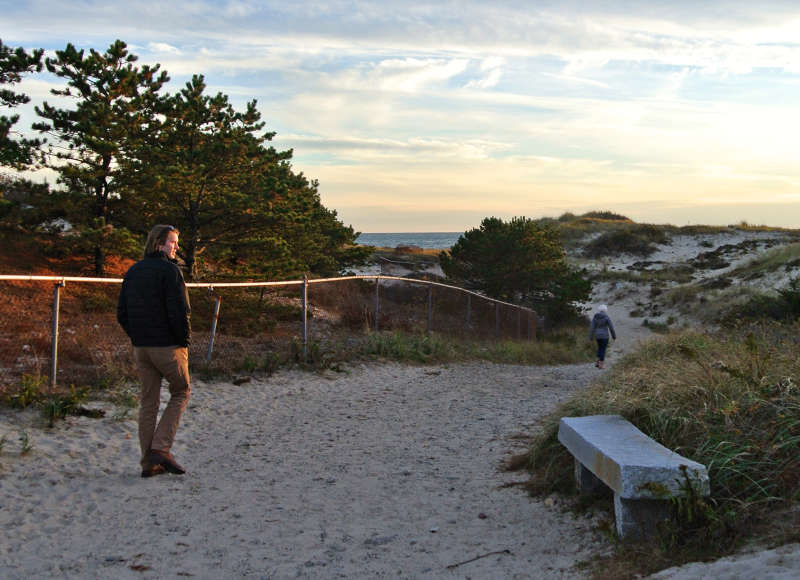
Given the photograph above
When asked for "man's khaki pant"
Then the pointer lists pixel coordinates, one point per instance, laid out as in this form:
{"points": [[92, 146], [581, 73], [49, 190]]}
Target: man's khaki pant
{"points": [[153, 363]]}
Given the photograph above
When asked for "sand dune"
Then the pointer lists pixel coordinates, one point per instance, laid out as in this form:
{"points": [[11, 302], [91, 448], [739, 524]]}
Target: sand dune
{"points": [[386, 470]]}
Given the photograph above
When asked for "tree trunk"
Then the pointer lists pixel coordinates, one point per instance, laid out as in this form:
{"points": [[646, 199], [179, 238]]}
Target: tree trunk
{"points": [[99, 261], [101, 213], [189, 259], [192, 240]]}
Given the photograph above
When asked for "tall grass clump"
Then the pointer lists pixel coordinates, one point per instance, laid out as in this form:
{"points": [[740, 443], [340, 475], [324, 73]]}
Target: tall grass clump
{"points": [[784, 257], [33, 391], [565, 346], [638, 239], [409, 347], [783, 305], [730, 401]]}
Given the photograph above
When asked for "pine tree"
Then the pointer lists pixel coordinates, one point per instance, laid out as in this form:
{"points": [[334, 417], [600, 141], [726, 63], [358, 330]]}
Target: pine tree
{"points": [[113, 100], [210, 169], [519, 261], [16, 152]]}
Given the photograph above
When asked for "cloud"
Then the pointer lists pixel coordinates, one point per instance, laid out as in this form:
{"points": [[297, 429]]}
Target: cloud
{"points": [[412, 74], [163, 48], [504, 104], [574, 79], [413, 151]]}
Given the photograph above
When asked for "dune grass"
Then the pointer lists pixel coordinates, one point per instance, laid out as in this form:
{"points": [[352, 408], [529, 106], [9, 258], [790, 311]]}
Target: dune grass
{"points": [[785, 257], [568, 345], [730, 401]]}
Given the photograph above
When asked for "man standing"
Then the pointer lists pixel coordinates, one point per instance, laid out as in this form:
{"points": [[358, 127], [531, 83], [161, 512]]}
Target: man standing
{"points": [[153, 309]]}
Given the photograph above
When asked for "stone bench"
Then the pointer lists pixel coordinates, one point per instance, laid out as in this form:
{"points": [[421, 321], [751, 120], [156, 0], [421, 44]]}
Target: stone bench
{"points": [[644, 475]]}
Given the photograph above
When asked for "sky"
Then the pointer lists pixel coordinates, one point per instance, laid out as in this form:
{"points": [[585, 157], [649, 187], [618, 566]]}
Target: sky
{"points": [[429, 116]]}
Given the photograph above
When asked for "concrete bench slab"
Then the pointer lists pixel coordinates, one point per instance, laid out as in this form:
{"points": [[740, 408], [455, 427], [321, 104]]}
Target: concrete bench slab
{"points": [[610, 451]]}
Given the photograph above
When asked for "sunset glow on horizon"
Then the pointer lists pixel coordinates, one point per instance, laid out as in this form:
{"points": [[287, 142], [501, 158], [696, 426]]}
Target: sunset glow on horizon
{"points": [[429, 116]]}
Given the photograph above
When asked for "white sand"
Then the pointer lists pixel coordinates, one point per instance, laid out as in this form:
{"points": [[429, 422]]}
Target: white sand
{"points": [[779, 564], [387, 470]]}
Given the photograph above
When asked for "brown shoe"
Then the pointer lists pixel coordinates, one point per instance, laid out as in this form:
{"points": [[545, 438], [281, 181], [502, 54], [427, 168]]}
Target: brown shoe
{"points": [[151, 471], [165, 460]]}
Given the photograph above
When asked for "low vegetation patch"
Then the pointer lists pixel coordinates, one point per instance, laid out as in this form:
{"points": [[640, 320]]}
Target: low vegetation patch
{"points": [[638, 240], [33, 391], [566, 346], [785, 258], [784, 305], [730, 401]]}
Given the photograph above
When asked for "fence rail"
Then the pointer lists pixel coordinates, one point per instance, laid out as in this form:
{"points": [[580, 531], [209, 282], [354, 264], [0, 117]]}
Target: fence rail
{"points": [[60, 282]]}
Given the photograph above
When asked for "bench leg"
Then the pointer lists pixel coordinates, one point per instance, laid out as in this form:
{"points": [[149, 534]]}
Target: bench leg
{"points": [[639, 518], [588, 483]]}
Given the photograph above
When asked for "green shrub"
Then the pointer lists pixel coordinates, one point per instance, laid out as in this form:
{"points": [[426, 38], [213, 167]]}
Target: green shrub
{"points": [[785, 306], [30, 392], [606, 215], [638, 240]]}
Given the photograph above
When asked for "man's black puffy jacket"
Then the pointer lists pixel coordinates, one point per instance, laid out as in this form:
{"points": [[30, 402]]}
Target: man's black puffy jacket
{"points": [[153, 305]]}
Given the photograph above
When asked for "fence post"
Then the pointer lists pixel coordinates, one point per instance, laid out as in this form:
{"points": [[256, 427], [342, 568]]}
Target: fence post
{"points": [[469, 307], [305, 318], [497, 320], [377, 300], [54, 339], [529, 324], [214, 320], [519, 324], [430, 309]]}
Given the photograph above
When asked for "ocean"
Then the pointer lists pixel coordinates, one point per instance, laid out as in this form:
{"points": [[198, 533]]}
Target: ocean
{"points": [[426, 240]]}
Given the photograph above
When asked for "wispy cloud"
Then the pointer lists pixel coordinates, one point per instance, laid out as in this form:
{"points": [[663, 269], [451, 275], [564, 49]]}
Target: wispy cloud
{"points": [[494, 106]]}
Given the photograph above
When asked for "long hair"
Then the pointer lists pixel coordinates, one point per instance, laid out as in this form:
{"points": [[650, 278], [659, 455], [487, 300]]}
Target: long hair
{"points": [[158, 237]]}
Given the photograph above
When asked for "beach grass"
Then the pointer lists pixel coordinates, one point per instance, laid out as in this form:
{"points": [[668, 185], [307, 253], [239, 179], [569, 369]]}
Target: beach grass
{"points": [[566, 346], [728, 400]]}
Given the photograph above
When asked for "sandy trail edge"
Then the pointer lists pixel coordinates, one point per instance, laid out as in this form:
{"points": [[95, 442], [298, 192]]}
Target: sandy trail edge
{"points": [[388, 470]]}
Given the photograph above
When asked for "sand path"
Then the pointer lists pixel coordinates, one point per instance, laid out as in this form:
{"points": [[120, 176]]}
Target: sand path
{"points": [[387, 470]]}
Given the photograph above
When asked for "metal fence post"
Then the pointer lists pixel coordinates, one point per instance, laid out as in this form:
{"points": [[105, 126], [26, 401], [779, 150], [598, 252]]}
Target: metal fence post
{"points": [[529, 324], [213, 324], [54, 340], [430, 309], [377, 301], [305, 318]]}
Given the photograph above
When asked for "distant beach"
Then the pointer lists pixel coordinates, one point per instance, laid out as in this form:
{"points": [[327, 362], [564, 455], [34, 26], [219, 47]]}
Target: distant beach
{"points": [[426, 240]]}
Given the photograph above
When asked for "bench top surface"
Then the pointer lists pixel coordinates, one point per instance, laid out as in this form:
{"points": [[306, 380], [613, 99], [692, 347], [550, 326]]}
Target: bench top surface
{"points": [[619, 439], [623, 457]]}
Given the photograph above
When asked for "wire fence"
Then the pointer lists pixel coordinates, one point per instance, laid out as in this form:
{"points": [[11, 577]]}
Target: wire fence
{"points": [[57, 326]]}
